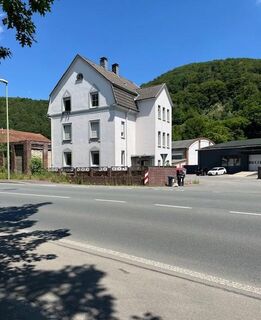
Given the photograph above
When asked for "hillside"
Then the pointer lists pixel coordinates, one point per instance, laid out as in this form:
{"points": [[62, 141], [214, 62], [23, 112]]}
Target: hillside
{"points": [[220, 99], [26, 115]]}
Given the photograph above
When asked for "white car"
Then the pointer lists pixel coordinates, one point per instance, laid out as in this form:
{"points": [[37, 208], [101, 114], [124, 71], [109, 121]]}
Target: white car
{"points": [[217, 171]]}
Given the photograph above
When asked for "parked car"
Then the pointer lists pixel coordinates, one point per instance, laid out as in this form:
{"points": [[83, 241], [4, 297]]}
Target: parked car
{"points": [[217, 171]]}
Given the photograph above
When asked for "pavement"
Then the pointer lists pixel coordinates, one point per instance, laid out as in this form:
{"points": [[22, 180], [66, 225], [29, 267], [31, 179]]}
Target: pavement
{"points": [[170, 254]]}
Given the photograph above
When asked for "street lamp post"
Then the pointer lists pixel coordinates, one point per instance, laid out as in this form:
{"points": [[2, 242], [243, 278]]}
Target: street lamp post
{"points": [[7, 127]]}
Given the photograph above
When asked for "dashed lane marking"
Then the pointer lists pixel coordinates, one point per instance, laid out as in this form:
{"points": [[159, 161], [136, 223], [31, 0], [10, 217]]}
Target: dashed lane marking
{"points": [[34, 195], [171, 206], [110, 200]]}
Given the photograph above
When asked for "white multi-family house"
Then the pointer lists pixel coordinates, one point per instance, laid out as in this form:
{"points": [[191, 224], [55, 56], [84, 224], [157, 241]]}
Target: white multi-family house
{"points": [[99, 118]]}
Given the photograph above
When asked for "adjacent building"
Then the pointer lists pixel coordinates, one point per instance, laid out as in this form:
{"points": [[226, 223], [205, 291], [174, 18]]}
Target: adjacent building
{"points": [[24, 146], [99, 118], [185, 152], [235, 156]]}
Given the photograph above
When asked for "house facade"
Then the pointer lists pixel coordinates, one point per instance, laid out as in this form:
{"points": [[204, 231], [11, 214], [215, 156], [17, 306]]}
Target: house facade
{"points": [[23, 147], [100, 119]]}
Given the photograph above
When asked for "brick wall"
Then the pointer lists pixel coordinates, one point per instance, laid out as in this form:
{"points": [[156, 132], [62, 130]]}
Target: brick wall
{"points": [[158, 176]]}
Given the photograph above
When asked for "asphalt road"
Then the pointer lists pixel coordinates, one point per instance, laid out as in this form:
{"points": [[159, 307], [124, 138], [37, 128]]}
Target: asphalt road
{"points": [[213, 227]]}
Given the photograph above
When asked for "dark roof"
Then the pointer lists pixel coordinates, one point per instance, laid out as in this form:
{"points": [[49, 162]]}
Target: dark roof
{"points": [[149, 92], [183, 144], [126, 92], [18, 136], [113, 77], [124, 98], [236, 144]]}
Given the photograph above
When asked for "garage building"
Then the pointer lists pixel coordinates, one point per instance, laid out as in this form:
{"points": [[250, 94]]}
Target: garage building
{"points": [[235, 156]]}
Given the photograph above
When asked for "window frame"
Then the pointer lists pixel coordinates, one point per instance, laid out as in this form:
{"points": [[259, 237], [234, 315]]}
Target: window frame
{"points": [[91, 138], [168, 115], [123, 130], [123, 157], [159, 139], [92, 152], [159, 112], [164, 140], [65, 100], [168, 140], [63, 127], [92, 94], [65, 153], [164, 114]]}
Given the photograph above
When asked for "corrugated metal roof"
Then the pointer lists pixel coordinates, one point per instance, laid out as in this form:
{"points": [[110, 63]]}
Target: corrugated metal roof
{"points": [[17, 136], [235, 144], [183, 144]]}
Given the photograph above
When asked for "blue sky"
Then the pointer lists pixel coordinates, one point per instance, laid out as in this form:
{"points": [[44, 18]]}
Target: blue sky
{"points": [[146, 37]]}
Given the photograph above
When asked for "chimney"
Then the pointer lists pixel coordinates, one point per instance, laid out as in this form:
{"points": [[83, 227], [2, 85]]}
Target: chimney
{"points": [[104, 62], [115, 68]]}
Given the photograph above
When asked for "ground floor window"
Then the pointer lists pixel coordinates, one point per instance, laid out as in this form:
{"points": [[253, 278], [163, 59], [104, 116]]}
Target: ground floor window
{"points": [[123, 158], [95, 158], [67, 157]]}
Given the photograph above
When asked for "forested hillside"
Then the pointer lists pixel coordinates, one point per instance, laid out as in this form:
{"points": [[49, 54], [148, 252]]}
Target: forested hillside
{"points": [[26, 115], [220, 99]]}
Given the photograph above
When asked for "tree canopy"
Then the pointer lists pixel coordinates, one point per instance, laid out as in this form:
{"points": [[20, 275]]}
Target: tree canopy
{"points": [[26, 115], [18, 15], [220, 99]]}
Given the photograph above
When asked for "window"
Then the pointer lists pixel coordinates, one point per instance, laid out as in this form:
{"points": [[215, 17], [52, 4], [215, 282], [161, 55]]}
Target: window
{"points": [[123, 130], [231, 161], [159, 139], [95, 158], [67, 159], [168, 140], [168, 114], [67, 132], [164, 139], [123, 158], [159, 112], [95, 130], [67, 104], [164, 114], [94, 99]]}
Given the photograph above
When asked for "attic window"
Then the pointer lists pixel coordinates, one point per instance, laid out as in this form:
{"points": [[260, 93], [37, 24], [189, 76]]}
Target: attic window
{"points": [[94, 99], [79, 77], [67, 104]]}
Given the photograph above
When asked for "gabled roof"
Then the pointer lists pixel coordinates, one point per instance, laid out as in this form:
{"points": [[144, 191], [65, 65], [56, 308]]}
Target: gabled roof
{"points": [[126, 92], [149, 92], [113, 77], [18, 136], [236, 144]]}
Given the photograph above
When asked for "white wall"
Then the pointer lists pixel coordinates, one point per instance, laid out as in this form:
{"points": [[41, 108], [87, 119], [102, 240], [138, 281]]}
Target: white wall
{"points": [[192, 151], [80, 146], [162, 126], [80, 91]]}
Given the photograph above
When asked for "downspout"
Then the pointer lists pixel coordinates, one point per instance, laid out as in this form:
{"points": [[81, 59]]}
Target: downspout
{"points": [[126, 145]]}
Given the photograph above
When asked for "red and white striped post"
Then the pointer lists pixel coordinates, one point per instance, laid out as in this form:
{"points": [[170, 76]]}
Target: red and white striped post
{"points": [[146, 177]]}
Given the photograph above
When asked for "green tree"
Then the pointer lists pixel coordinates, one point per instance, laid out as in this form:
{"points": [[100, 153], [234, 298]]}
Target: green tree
{"points": [[18, 16]]}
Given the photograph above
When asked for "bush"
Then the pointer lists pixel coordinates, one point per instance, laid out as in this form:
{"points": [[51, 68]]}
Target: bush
{"points": [[36, 165]]}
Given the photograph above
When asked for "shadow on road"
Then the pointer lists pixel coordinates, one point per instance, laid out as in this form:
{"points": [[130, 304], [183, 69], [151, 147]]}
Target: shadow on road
{"points": [[27, 293]]}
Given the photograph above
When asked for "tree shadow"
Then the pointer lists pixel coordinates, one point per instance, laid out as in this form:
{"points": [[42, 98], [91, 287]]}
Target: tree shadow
{"points": [[146, 316], [73, 292]]}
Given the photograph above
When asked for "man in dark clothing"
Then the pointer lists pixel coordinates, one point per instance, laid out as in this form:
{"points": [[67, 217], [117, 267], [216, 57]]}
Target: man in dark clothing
{"points": [[180, 177]]}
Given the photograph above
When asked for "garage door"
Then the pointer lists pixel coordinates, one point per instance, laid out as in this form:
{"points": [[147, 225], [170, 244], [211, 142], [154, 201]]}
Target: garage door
{"points": [[254, 162]]}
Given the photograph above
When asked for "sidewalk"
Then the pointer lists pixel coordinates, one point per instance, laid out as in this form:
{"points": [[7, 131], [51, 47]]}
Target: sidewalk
{"points": [[71, 283]]}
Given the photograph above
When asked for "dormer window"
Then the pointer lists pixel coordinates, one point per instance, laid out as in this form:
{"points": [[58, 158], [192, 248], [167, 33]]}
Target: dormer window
{"points": [[67, 104], [94, 99]]}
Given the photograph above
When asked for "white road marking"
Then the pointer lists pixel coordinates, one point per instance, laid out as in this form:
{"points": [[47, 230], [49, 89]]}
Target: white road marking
{"points": [[246, 213], [163, 266], [171, 206], [109, 200], [34, 195]]}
